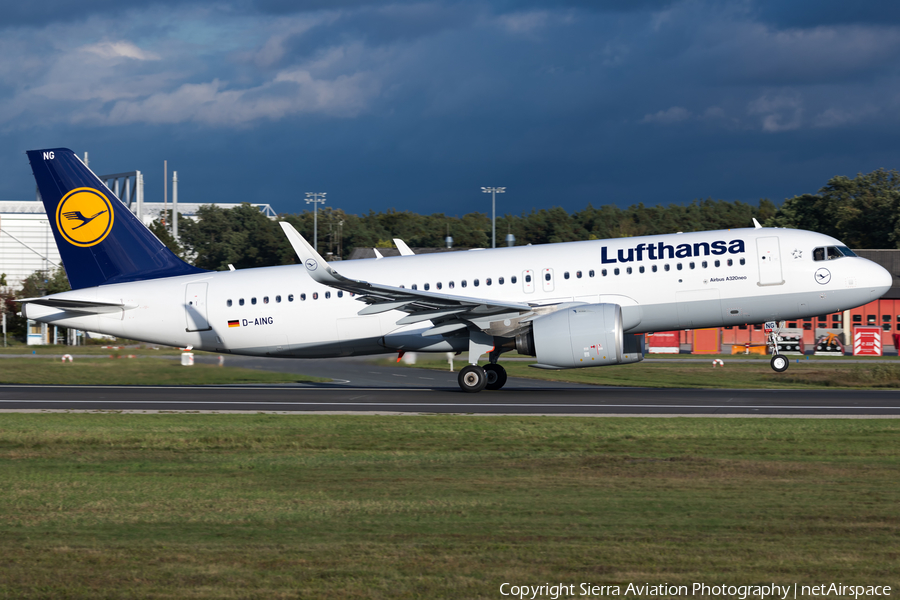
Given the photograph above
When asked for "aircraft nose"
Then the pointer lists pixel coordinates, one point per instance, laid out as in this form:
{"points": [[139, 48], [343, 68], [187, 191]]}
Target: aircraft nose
{"points": [[879, 278]]}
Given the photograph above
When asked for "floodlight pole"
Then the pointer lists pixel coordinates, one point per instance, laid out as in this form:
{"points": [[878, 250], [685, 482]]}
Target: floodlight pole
{"points": [[493, 191], [316, 198]]}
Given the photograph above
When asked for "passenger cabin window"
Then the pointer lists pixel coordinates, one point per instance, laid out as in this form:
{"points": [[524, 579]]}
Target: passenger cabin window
{"points": [[487, 281], [578, 274], [653, 268], [528, 279], [340, 294], [566, 275], [513, 279], [476, 283], [265, 299], [463, 283], [228, 303], [241, 301], [451, 285], [666, 267], [591, 273], [616, 270], [315, 295], [547, 276], [426, 287], [252, 300], [500, 281], [277, 298], [603, 272], [438, 285], [327, 295], [291, 297], [743, 261], [628, 270]]}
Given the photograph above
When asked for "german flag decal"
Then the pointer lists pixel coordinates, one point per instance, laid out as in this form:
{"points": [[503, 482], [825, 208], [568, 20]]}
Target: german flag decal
{"points": [[234, 323]]}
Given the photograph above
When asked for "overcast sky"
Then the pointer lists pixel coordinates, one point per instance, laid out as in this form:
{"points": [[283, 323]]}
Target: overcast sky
{"points": [[416, 105]]}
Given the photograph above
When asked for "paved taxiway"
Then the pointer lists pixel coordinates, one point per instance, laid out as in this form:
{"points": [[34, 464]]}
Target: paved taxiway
{"points": [[362, 387]]}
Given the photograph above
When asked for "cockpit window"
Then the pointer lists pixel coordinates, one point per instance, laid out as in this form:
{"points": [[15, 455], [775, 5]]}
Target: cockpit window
{"points": [[832, 253]]}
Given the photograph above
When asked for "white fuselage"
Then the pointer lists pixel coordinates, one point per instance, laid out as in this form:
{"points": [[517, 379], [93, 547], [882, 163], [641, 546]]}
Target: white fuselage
{"points": [[281, 311]]}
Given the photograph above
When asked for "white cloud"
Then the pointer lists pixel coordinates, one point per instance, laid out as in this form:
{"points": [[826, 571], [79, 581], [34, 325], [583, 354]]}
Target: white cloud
{"points": [[119, 50], [675, 114], [524, 22], [213, 103], [835, 117], [781, 112]]}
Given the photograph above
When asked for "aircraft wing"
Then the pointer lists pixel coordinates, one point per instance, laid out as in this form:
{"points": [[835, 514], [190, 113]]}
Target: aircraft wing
{"points": [[422, 305]]}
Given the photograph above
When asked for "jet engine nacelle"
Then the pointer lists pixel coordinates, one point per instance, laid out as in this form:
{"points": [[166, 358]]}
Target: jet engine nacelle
{"points": [[588, 335]]}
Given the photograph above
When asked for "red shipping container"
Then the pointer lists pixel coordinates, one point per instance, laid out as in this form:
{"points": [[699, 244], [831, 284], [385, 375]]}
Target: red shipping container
{"points": [[663, 342]]}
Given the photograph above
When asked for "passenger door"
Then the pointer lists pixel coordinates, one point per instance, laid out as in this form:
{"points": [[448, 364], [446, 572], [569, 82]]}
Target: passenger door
{"points": [[769, 258], [195, 307]]}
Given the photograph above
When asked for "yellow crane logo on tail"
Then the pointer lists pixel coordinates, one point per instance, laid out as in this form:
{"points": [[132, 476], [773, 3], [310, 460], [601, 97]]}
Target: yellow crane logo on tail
{"points": [[84, 217]]}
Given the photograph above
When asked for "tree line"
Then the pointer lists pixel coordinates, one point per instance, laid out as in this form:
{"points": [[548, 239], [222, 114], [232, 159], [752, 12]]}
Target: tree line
{"points": [[863, 212]]}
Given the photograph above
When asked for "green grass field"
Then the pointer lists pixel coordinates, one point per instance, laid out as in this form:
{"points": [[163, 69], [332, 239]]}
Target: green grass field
{"points": [[137, 371], [816, 373], [274, 506]]}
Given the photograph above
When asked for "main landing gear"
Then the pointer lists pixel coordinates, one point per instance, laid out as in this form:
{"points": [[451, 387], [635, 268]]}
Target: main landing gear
{"points": [[473, 378]]}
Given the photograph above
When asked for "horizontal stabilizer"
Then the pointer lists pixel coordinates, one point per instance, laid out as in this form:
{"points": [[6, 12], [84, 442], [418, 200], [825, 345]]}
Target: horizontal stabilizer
{"points": [[91, 307]]}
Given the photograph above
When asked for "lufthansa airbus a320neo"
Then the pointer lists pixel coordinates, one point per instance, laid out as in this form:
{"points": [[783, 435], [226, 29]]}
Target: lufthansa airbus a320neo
{"points": [[571, 305]]}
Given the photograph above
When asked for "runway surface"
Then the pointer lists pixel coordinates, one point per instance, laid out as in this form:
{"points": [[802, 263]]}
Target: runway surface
{"points": [[549, 401], [360, 386]]}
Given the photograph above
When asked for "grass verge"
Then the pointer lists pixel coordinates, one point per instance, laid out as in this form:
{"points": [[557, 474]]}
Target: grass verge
{"points": [[106, 371], [265, 506]]}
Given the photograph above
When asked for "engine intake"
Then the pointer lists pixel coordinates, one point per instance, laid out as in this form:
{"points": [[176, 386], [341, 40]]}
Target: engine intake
{"points": [[587, 335]]}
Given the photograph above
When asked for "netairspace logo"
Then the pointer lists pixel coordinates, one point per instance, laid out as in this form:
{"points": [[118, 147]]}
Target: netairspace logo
{"points": [[741, 592]]}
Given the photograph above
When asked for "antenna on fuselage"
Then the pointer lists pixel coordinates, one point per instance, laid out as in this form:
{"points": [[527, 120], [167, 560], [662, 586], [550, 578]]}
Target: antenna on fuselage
{"points": [[756, 224]]}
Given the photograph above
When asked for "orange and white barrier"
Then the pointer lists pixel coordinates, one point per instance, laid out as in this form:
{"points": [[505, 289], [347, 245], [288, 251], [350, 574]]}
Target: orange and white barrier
{"points": [[867, 341]]}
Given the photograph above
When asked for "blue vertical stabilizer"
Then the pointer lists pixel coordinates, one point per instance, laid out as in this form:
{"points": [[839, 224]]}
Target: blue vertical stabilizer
{"points": [[99, 239]]}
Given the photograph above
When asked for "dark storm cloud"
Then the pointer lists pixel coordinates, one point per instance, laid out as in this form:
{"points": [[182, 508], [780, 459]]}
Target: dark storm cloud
{"points": [[812, 13], [415, 105]]}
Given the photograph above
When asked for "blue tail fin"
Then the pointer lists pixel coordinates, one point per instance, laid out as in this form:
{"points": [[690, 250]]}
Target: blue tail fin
{"points": [[99, 239]]}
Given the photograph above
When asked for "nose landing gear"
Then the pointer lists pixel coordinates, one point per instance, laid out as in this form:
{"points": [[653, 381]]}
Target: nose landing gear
{"points": [[779, 362]]}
